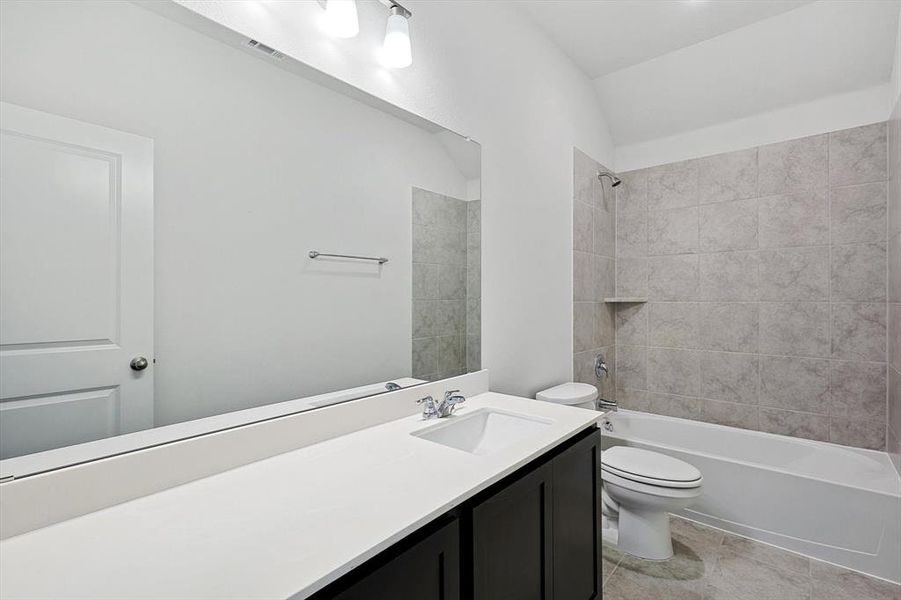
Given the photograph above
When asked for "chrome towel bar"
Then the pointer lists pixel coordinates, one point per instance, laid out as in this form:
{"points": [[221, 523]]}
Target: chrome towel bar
{"points": [[316, 254]]}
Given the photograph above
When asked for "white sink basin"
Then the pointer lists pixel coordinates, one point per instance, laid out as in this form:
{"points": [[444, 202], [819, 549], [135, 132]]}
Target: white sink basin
{"points": [[483, 431]]}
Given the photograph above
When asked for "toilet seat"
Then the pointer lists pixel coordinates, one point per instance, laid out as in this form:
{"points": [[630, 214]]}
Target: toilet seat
{"points": [[650, 490], [649, 468], [640, 490]]}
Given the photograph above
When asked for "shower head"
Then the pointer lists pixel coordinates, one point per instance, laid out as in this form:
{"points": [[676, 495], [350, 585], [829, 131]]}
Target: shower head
{"points": [[614, 180]]}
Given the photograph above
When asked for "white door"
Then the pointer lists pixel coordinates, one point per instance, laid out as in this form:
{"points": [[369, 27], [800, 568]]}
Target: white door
{"points": [[76, 281]]}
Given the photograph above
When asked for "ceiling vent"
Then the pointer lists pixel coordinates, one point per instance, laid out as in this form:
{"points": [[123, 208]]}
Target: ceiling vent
{"points": [[270, 52]]}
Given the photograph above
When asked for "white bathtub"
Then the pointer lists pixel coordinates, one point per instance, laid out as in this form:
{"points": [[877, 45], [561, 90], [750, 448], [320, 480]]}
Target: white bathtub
{"points": [[833, 503]]}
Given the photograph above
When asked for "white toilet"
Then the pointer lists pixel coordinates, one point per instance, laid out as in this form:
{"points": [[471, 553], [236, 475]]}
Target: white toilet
{"points": [[640, 488]]}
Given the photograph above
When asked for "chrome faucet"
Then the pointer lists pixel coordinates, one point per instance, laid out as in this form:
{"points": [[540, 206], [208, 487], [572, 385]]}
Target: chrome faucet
{"points": [[451, 399], [601, 371], [445, 408], [600, 367], [429, 409], [607, 405]]}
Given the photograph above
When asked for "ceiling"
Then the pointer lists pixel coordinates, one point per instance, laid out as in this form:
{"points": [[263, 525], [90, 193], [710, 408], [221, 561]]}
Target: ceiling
{"points": [[602, 36], [664, 67]]}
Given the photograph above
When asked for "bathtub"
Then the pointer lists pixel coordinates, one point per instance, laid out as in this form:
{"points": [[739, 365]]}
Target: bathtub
{"points": [[832, 503]]}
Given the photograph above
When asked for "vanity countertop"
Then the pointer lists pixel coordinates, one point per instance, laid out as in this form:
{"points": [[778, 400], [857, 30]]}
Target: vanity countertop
{"points": [[283, 527]]}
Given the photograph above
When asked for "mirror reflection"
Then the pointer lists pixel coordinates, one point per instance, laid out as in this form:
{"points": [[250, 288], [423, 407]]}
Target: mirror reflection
{"points": [[168, 206]]}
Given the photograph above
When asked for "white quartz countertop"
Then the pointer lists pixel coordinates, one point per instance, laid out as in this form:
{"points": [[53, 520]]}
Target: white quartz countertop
{"points": [[283, 527]]}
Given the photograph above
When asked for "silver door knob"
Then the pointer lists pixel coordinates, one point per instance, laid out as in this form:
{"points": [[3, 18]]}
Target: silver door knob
{"points": [[138, 363]]}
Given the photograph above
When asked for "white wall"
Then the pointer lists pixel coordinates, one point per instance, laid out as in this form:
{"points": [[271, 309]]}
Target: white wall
{"points": [[841, 111], [821, 67], [895, 81], [819, 50], [483, 70], [253, 168]]}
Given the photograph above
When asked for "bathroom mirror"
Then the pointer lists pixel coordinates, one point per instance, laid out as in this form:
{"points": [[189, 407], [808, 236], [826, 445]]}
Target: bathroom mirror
{"points": [[197, 232]]}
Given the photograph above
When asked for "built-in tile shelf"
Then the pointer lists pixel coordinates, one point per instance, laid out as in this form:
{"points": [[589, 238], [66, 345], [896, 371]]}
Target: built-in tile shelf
{"points": [[630, 300]]}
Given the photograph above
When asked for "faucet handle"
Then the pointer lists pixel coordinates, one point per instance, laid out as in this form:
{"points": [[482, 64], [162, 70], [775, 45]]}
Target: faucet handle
{"points": [[451, 399], [600, 367], [429, 410]]}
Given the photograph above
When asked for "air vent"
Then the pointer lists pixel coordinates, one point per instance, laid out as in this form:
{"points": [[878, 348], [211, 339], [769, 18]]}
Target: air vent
{"points": [[271, 52]]}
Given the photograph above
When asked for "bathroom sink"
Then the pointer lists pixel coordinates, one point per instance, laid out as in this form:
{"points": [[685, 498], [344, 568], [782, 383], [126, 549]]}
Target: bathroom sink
{"points": [[483, 431]]}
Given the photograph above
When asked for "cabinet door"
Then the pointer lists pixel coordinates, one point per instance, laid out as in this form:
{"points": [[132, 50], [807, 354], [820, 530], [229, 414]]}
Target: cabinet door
{"points": [[429, 570], [511, 541], [577, 527]]}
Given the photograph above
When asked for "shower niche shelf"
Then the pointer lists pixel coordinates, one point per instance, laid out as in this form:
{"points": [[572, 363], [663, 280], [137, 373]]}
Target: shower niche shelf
{"points": [[626, 300]]}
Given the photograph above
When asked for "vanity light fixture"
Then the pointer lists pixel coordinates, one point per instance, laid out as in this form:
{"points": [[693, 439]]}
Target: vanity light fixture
{"points": [[397, 51], [341, 18]]}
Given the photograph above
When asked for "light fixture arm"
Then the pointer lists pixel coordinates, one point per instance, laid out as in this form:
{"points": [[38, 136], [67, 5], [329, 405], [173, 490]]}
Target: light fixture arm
{"points": [[397, 9]]}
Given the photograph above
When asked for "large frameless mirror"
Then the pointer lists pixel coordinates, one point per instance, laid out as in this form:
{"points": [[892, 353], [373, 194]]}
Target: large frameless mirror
{"points": [[198, 232]]}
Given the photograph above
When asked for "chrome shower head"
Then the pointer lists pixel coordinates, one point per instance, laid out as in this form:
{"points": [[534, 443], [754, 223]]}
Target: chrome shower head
{"points": [[614, 180]]}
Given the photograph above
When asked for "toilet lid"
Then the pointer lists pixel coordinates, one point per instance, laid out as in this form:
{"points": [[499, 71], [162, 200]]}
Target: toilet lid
{"points": [[569, 393], [648, 467]]}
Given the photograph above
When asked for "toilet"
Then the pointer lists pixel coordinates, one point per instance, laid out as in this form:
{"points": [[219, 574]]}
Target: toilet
{"points": [[639, 487], [582, 395]]}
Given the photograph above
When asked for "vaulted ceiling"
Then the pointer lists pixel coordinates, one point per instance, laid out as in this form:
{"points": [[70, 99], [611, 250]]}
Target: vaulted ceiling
{"points": [[603, 36], [663, 67]]}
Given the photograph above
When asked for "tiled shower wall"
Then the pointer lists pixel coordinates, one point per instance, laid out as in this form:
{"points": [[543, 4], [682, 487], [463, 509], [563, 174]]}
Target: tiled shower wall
{"points": [[894, 288], [446, 285], [594, 221], [765, 273]]}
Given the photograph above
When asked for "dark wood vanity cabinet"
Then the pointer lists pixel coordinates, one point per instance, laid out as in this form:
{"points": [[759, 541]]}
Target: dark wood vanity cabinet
{"points": [[539, 538], [535, 535], [512, 540], [576, 492], [429, 569]]}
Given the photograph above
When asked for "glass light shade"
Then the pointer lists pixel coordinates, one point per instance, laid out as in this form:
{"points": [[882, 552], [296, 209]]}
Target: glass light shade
{"points": [[341, 18], [396, 51]]}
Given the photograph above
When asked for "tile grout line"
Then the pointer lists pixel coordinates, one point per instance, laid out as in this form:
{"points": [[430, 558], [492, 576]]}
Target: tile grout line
{"points": [[831, 307], [888, 174], [757, 350]]}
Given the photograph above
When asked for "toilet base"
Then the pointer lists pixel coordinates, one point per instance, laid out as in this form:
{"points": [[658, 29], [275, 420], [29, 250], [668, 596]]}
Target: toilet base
{"points": [[645, 534], [640, 514]]}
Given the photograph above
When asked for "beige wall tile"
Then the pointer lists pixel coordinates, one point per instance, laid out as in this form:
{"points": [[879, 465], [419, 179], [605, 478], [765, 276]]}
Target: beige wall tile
{"points": [[800, 219], [729, 326], [728, 226], [797, 384], [858, 273], [858, 213], [858, 155], [673, 324], [674, 371], [792, 166], [795, 328], [673, 185], [725, 177], [673, 231], [729, 276], [795, 424], [799, 274], [859, 331], [729, 376], [673, 278]]}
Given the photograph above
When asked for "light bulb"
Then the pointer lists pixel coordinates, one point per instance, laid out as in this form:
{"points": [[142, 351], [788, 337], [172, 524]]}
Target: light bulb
{"points": [[341, 18], [396, 51]]}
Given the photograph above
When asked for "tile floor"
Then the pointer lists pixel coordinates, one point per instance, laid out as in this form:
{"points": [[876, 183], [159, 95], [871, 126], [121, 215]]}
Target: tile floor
{"points": [[712, 565]]}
